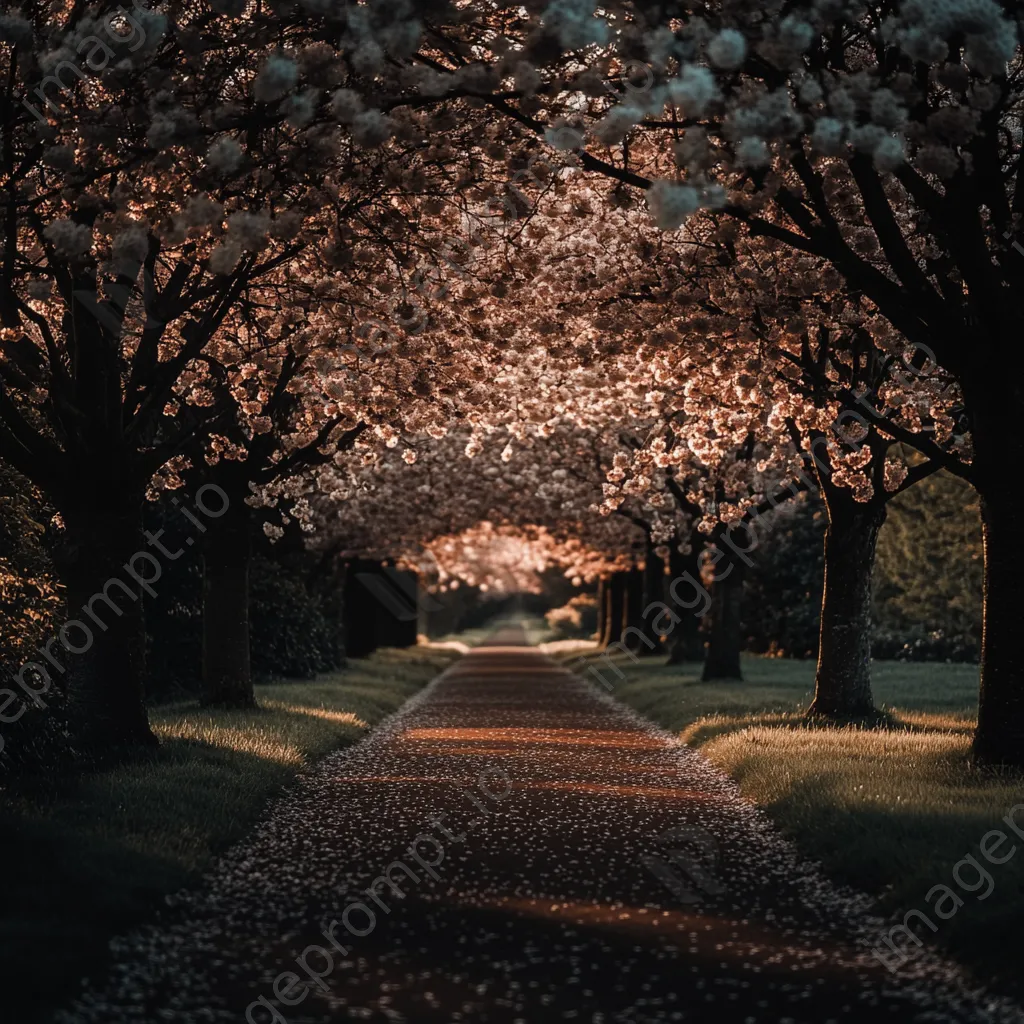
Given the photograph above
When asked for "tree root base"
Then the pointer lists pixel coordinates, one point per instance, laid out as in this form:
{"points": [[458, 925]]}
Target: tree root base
{"points": [[863, 717]]}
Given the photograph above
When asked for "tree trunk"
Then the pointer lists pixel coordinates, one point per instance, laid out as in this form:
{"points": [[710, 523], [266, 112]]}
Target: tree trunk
{"points": [[842, 684], [725, 638], [616, 607], [227, 677], [633, 611], [602, 610], [687, 641], [999, 738], [653, 591], [105, 565]]}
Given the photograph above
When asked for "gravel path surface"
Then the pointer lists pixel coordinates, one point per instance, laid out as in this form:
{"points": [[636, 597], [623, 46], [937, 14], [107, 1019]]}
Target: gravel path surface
{"points": [[558, 858]]}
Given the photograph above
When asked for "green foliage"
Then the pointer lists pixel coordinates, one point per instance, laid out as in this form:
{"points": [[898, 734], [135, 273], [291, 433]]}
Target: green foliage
{"points": [[30, 601], [927, 577], [928, 573], [290, 635], [782, 596]]}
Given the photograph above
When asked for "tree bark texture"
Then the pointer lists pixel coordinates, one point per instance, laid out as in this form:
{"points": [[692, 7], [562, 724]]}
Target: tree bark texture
{"points": [[227, 552], [999, 738], [102, 646], [686, 644], [653, 591], [725, 636], [842, 683]]}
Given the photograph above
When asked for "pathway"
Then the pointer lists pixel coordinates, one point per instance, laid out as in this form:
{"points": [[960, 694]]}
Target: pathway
{"points": [[584, 867]]}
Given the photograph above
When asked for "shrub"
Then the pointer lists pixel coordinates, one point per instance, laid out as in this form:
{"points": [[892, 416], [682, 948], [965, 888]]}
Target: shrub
{"points": [[30, 601], [39, 743], [289, 634], [920, 646], [577, 618], [782, 595]]}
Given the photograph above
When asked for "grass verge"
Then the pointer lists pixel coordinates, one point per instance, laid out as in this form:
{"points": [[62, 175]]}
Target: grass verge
{"points": [[890, 810], [86, 859]]}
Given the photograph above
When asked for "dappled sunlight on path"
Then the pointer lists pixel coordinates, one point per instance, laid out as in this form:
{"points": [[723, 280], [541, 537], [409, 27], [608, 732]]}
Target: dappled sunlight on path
{"points": [[514, 847]]}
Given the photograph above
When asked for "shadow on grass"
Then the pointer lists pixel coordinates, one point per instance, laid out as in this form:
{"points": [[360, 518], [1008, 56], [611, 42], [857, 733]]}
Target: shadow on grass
{"points": [[901, 853], [89, 859]]}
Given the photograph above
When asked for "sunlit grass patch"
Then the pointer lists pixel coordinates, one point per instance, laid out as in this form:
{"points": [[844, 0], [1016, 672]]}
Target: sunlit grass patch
{"points": [[288, 733], [561, 648], [710, 727], [883, 768]]}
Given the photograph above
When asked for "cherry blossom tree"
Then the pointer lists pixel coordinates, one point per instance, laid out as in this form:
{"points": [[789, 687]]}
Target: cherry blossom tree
{"points": [[765, 380], [166, 176], [881, 144]]}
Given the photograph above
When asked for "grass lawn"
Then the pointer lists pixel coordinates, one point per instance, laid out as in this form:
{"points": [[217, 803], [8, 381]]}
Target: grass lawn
{"points": [[536, 629], [86, 859], [889, 811]]}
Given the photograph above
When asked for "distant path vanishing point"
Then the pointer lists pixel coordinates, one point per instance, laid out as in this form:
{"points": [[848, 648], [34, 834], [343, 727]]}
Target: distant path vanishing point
{"points": [[552, 857]]}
